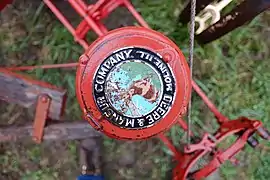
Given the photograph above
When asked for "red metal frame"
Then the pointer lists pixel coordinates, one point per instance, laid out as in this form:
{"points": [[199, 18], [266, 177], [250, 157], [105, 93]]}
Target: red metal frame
{"points": [[243, 128], [92, 16]]}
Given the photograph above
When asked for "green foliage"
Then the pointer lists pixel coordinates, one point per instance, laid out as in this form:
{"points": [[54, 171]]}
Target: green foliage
{"points": [[262, 170], [233, 71], [48, 174]]}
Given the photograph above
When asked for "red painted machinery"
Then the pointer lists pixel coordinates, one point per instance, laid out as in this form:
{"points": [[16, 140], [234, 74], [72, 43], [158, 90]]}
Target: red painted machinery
{"points": [[134, 83]]}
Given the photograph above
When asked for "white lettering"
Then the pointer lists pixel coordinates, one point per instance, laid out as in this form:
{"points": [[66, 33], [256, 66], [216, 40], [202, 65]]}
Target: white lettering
{"points": [[162, 67], [120, 56], [127, 53], [130, 121], [157, 62], [101, 100], [104, 106], [167, 98], [150, 119], [169, 87], [142, 54], [108, 113], [166, 73], [168, 80], [99, 88], [100, 80], [103, 71], [113, 61], [149, 57], [141, 122], [107, 64], [164, 105], [115, 116], [161, 111], [156, 115], [121, 120]]}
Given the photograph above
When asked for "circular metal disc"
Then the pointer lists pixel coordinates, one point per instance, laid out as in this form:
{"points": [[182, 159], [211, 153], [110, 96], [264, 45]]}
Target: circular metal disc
{"points": [[133, 83]]}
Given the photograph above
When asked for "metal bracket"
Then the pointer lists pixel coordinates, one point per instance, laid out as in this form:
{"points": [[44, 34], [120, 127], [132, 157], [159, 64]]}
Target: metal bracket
{"points": [[41, 115]]}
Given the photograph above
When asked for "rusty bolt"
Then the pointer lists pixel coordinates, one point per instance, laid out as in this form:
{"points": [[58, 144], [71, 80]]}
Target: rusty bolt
{"points": [[84, 59]]}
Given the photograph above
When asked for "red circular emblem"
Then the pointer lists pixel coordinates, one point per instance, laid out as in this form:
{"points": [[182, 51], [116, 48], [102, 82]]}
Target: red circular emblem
{"points": [[133, 83]]}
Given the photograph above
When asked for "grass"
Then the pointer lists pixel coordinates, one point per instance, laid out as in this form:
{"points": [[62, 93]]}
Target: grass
{"points": [[233, 71]]}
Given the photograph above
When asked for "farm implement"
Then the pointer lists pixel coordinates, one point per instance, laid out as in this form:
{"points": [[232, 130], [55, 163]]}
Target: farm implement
{"points": [[134, 83]]}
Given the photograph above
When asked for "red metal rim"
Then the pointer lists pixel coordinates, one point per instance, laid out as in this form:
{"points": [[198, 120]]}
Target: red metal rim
{"points": [[132, 37]]}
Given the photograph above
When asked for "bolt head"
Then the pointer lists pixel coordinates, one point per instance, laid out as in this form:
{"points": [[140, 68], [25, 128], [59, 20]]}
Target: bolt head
{"points": [[44, 99], [167, 57], [84, 59]]}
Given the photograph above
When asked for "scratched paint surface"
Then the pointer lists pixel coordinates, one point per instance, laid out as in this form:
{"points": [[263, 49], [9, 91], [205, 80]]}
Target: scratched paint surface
{"points": [[134, 88]]}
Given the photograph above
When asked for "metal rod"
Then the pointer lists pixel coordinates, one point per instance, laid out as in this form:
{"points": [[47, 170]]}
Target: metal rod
{"points": [[170, 145], [137, 16], [66, 23], [86, 17], [220, 117]]}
